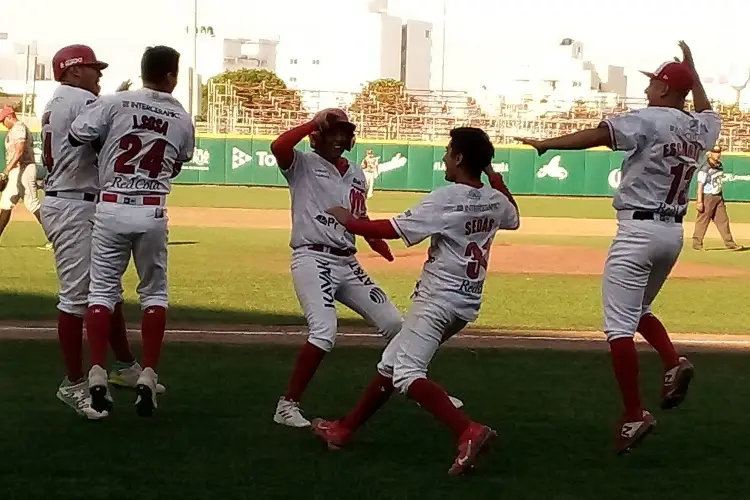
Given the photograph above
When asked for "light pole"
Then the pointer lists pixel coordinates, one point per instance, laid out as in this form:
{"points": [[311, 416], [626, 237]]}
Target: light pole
{"points": [[442, 59], [194, 98]]}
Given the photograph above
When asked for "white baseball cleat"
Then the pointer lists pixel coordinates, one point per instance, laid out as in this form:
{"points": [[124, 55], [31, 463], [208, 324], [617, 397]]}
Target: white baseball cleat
{"points": [[77, 397], [126, 375], [289, 414], [101, 399], [145, 403]]}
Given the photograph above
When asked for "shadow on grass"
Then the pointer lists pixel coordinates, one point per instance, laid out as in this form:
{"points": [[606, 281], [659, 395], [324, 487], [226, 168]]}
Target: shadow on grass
{"points": [[41, 307]]}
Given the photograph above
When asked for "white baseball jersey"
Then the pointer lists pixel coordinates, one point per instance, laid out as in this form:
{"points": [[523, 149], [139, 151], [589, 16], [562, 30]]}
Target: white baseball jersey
{"points": [[663, 147], [462, 222], [316, 185], [69, 168], [20, 133], [146, 135]]}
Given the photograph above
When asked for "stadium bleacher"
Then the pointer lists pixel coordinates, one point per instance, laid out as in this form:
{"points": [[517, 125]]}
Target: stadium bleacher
{"points": [[423, 115]]}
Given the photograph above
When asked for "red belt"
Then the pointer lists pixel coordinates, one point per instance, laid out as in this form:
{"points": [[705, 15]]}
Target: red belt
{"points": [[132, 200]]}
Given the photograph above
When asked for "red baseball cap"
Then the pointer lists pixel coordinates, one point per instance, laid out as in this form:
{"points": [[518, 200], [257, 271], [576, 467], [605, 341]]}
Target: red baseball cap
{"points": [[674, 74], [6, 112], [74, 55]]}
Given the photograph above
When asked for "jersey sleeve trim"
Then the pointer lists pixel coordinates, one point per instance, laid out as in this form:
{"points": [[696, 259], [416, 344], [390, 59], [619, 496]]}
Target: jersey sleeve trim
{"points": [[400, 232], [612, 134]]}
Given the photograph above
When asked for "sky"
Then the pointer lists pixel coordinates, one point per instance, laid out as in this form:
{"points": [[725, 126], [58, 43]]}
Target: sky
{"points": [[637, 34]]}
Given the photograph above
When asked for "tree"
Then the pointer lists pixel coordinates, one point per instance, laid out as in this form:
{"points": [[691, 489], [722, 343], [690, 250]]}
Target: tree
{"points": [[13, 100], [260, 90], [385, 97]]}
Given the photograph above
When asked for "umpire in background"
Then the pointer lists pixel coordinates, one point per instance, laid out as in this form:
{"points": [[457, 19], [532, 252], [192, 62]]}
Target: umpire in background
{"points": [[710, 202]]}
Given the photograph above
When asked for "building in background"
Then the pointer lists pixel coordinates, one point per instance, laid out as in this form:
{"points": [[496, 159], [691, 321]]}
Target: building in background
{"points": [[416, 54]]}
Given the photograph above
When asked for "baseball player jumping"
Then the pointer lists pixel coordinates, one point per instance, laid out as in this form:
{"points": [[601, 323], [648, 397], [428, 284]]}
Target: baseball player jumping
{"points": [[663, 144], [324, 268], [461, 220], [71, 191], [20, 170], [146, 136]]}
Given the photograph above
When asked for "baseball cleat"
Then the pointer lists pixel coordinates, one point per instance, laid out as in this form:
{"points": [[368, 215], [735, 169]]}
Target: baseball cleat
{"points": [[676, 384], [631, 433], [145, 402], [333, 433], [77, 397], [126, 375], [289, 414], [101, 399], [474, 441]]}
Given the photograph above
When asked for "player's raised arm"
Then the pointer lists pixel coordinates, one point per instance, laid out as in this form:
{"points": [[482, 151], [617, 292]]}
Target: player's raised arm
{"points": [[498, 183], [584, 139], [700, 99], [91, 124], [283, 147]]}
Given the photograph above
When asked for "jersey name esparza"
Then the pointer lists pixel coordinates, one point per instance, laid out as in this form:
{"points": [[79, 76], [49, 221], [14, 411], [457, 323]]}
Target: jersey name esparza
{"points": [[663, 147], [461, 222], [69, 168], [316, 185], [146, 136]]}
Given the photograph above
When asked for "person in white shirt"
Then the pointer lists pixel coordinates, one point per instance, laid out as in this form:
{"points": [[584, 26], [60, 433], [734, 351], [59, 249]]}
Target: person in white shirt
{"points": [[461, 220], [663, 143], [20, 170], [709, 202]]}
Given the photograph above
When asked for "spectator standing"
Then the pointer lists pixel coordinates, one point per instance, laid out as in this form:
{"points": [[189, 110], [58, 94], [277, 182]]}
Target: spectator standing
{"points": [[710, 202], [20, 170], [370, 167]]}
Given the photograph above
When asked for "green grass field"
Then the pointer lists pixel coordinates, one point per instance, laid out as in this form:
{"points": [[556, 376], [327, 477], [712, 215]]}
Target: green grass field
{"points": [[242, 276], [389, 202], [213, 435]]}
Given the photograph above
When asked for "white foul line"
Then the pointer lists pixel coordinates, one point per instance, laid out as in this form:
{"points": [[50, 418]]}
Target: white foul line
{"points": [[468, 336]]}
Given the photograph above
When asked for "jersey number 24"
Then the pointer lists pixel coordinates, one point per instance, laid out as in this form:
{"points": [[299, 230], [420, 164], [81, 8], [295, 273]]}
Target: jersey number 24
{"points": [[152, 161]]}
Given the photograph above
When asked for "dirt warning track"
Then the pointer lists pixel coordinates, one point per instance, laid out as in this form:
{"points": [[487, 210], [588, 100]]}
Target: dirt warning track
{"points": [[472, 339]]}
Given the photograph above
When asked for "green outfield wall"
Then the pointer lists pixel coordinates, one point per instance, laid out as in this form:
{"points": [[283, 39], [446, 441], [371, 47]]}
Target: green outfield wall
{"points": [[247, 161]]}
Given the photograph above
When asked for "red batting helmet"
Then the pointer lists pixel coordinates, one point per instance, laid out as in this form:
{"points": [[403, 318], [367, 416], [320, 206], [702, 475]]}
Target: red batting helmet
{"points": [[74, 55], [343, 122]]}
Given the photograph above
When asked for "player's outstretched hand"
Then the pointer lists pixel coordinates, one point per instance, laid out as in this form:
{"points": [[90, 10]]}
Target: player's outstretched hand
{"points": [[124, 86], [534, 143], [381, 247], [341, 214], [687, 55]]}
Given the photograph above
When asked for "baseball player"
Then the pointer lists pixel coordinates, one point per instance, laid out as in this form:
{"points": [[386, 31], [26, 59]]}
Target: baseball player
{"points": [[461, 220], [663, 144], [71, 190], [324, 268], [370, 168], [20, 170], [146, 136]]}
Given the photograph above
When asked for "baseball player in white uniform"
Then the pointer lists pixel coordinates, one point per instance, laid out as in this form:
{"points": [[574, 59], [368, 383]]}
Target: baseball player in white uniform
{"points": [[324, 266], [20, 170], [67, 213], [663, 144], [146, 136], [461, 220]]}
